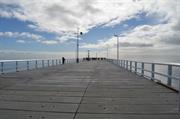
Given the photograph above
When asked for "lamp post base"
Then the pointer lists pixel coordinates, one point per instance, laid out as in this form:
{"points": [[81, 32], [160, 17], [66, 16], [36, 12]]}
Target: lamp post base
{"points": [[77, 60]]}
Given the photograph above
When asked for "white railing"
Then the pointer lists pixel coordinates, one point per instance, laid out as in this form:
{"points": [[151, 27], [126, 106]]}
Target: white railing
{"points": [[7, 66], [167, 74]]}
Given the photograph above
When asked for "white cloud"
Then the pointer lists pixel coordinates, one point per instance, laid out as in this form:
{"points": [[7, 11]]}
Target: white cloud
{"points": [[21, 41], [27, 36], [32, 26], [22, 35], [64, 16], [49, 42], [65, 38], [157, 36], [163, 35], [59, 16], [18, 36]]}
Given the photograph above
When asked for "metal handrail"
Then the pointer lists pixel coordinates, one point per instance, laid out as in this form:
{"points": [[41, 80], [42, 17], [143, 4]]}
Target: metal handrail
{"points": [[157, 63], [30, 64], [161, 74], [168, 74]]}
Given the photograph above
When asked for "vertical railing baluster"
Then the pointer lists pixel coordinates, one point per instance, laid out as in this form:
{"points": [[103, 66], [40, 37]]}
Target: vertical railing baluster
{"points": [[169, 75], [36, 62], [42, 63], [56, 62], [179, 96], [2, 67], [142, 69], [27, 65], [121, 63], [48, 62], [135, 63], [52, 62], [16, 66], [127, 64], [131, 66], [152, 71]]}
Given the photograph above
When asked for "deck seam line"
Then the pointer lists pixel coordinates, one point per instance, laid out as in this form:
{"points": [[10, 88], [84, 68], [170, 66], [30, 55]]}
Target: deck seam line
{"points": [[82, 97]]}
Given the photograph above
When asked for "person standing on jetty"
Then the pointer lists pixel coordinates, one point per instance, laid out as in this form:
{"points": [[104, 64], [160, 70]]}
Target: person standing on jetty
{"points": [[63, 60]]}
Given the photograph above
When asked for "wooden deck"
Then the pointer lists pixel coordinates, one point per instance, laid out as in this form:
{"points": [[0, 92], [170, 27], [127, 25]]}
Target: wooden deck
{"points": [[88, 90]]}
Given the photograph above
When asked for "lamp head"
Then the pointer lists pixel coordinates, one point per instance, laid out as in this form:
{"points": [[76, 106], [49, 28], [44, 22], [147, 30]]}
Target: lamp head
{"points": [[116, 35]]}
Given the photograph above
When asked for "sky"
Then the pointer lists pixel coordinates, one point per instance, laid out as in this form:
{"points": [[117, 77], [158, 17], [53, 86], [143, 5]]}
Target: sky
{"points": [[144, 27]]}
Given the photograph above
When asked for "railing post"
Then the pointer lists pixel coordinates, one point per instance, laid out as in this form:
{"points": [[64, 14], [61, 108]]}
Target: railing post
{"points": [[142, 69], [59, 61], [121, 63], [56, 62], [27, 65], [2, 67], [16, 66], [169, 75], [152, 71], [179, 95], [135, 67], [42, 63], [36, 64], [127, 64], [52, 62], [131, 66], [48, 62]]}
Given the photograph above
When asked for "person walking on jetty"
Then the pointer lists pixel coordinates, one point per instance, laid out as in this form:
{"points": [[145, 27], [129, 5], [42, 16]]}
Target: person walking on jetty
{"points": [[63, 60]]}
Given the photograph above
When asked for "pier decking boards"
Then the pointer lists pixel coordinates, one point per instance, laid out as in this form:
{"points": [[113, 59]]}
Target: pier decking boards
{"points": [[88, 90]]}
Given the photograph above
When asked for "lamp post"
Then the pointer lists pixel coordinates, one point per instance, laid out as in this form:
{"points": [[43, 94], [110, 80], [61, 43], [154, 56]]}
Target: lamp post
{"points": [[77, 52], [117, 46], [88, 55]]}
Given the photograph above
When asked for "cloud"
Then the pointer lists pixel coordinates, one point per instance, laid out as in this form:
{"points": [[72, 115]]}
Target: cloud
{"points": [[153, 36], [27, 36], [163, 34], [64, 16], [49, 42], [22, 35], [126, 44], [21, 41]]}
